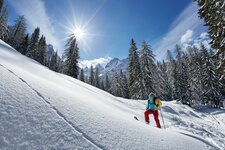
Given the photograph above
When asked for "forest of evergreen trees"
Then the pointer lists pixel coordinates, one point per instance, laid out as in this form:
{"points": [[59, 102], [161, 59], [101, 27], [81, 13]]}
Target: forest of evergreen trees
{"points": [[195, 75]]}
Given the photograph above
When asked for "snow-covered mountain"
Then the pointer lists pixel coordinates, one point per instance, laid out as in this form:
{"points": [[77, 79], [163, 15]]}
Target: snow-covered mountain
{"points": [[42, 109], [114, 65]]}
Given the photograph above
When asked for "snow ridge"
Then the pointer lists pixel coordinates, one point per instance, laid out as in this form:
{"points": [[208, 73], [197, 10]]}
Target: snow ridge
{"points": [[76, 129]]}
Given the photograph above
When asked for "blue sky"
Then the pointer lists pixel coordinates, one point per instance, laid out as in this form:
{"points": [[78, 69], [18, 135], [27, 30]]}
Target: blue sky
{"points": [[109, 25]]}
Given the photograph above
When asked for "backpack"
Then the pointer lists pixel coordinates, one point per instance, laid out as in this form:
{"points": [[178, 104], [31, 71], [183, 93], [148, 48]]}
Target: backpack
{"points": [[151, 104]]}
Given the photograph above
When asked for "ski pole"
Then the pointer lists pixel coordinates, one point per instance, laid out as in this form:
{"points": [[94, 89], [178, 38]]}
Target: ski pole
{"points": [[162, 117]]}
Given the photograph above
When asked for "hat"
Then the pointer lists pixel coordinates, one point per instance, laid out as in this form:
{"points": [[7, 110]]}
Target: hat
{"points": [[151, 94]]}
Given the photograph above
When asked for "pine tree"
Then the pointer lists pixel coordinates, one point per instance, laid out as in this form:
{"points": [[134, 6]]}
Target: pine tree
{"points": [[171, 71], [211, 82], [81, 75], [62, 66], [17, 33], [164, 87], [96, 77], [135, 83], [3, 21], [54, 62], [102, 85], [115, 87], [24, 44], [91, 77], [72, 56], [181, 84], [33, 46], [178, 73], [119, 86], [107, 82], [123, 85], [212, 11], [195, 80], [185, 86], [1, 5], [42, 52], [148, 67]]}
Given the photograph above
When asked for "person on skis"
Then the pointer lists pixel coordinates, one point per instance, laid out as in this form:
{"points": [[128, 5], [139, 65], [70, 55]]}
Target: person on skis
{"points": [[152, 108]]}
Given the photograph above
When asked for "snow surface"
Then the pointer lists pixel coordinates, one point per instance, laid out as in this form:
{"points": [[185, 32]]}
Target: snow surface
{"points": [[41, 109]]}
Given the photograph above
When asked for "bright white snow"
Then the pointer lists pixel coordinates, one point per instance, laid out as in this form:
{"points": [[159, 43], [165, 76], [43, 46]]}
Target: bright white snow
{"points": [[41, 109]]}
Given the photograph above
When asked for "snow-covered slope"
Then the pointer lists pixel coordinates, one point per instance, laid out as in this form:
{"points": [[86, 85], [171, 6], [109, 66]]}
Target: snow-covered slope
{"points": [[41, 109]]}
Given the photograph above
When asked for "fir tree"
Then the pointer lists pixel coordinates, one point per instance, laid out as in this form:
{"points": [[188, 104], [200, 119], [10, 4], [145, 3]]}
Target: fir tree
{"points": [[42, 52], [177, 73], [102, 85], [3, 21], [18, 33], [91, 77], [182, 88], [1, 5], [72, 56], [135, 83], [81, 75], [123, 85], [33, 46], [54, 62], [62, 66], [165, 88], [171, 71], [24, 44], [148, 67], [107, 82], [195, 80], [211, 82], [185, 78], [212, 11], [96, 77], [115, 87]]}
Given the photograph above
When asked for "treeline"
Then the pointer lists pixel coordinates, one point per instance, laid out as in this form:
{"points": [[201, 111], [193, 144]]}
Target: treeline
{"points": [[190, 76]]}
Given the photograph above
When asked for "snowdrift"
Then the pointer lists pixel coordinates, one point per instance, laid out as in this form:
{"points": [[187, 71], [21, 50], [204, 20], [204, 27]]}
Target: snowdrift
{"points": [[41, 109]]}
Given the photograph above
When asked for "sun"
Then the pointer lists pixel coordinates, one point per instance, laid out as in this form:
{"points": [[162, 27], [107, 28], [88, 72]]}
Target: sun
{"points": [[79, 33]]}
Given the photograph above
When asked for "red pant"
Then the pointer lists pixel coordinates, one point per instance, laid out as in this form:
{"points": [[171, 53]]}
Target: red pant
{"points": [[155, 114]]}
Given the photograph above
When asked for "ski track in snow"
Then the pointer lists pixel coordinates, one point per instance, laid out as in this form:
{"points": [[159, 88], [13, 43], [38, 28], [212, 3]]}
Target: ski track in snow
{"points": [[210, 137], [200, 139], [76, 129]]}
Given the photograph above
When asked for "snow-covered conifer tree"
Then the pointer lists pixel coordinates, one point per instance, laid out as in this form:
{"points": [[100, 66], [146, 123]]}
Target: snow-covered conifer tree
{"points": [[33, 45], [96, 77], [54, 62], [164, 88], [24, 44], [42, 52], [212, 85], [81, 78], [17, 33], [91, 77], [107, 82], [72, 56], [135, 82], [212, 11], [3, 21], [171, 65], [148, 67]]}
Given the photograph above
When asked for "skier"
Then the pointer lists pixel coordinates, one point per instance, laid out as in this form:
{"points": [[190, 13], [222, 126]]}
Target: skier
{"points": [[152, 108]]}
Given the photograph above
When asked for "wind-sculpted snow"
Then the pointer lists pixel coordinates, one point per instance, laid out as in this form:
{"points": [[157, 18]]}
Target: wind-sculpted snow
{"points": [[41, 109]]}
